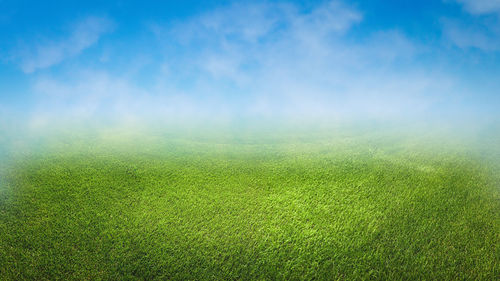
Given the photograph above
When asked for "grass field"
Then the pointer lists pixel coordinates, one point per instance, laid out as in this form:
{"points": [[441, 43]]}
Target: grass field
{"points": [[287, 208]]}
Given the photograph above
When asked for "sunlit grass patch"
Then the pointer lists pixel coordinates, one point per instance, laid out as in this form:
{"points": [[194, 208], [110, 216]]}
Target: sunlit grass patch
{"points": [[240, 210]]}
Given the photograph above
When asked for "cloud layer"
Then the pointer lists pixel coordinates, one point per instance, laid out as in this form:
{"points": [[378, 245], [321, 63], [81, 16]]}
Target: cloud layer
{"points": [[479, 7], [257, 60], [267, 60], [482, 31], [45, 53]]}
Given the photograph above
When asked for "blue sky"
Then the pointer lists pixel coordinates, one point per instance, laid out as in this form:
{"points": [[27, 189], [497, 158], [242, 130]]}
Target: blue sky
{"points": [[335, 60]]}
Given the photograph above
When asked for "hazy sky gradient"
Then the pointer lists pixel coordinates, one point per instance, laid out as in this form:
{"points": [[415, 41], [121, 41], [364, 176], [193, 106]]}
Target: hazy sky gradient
{"points": [[332, 60]]}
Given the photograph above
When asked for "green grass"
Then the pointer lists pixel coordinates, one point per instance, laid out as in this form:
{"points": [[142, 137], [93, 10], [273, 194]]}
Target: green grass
{"points": [[287, 209]]}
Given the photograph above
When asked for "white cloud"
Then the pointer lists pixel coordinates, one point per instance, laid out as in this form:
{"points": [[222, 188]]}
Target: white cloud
{"points": [[46, 53], [480, 31], [236, 41], [477, 35], [332, 16], [302, 62], [479, 7], [260, 60], [250, 23], [97, 95], [86, 92]]}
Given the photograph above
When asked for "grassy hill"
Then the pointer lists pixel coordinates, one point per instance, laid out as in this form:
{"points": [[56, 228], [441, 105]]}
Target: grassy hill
{"points": [[288, 207]]}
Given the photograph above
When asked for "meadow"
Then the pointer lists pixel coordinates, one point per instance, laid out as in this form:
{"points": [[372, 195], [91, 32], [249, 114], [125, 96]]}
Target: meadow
{"points": [[313, 206]]}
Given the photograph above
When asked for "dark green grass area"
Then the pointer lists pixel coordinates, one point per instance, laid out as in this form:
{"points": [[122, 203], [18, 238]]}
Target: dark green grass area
{"points": [[261, 210]]}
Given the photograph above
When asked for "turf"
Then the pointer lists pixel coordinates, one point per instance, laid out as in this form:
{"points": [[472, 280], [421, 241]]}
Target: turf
{"points": [[288, 209]]}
